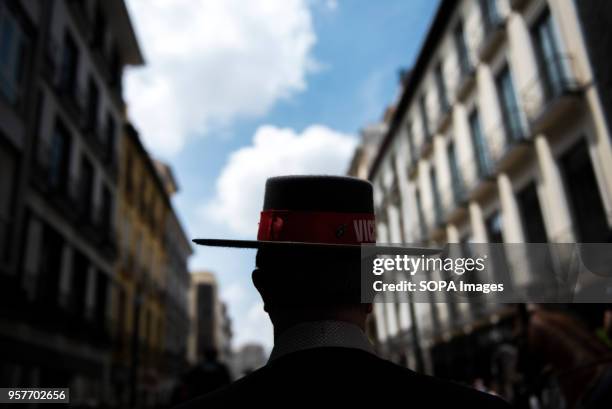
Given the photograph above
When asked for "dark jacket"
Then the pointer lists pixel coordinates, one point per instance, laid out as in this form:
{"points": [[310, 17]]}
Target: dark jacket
{"points": [[325, 377]]}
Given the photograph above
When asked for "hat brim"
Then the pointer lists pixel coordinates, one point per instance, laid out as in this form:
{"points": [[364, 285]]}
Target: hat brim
{"points": [[257, 244]]}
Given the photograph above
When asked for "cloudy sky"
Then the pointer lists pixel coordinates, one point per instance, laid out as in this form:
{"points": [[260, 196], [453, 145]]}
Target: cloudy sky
{"points": [[235, 91]]}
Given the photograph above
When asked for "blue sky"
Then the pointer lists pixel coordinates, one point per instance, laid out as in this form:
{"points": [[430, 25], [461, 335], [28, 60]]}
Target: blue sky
{"points": [[234, 92]]}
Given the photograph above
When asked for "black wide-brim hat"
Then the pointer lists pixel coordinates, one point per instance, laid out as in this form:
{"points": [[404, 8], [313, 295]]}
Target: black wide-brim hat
{"points": [[316, 212]]}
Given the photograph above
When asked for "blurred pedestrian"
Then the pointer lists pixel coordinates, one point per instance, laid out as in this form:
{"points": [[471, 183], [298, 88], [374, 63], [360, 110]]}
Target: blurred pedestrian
{"points": [[572, 360]]}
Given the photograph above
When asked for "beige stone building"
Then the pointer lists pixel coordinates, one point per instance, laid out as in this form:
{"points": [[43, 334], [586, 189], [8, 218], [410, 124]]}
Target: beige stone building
{"points": [[499, 135], [211, 325]]}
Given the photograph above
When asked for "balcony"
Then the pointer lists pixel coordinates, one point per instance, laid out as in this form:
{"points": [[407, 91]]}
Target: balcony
{"points": [[419, 233], [445, 114], [508, 143], [454, 198], [553, 95], [413, 168], [413, 159], [426, 145], [485, 166], [465, 78], [518, 5], [477, 176], [492, 34]]}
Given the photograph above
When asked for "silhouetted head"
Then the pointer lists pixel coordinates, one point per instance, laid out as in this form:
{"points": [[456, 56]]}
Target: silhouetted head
{"points": [[311, 231], [305, 283], [299, 285]]}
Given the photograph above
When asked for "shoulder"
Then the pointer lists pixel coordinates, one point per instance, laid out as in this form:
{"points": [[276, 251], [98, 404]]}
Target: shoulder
{"points": [[242, 389], [429, 390], [344, 376]]}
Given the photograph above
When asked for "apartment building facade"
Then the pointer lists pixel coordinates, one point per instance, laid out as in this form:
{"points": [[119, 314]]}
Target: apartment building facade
{"points": [[211, 326], [150, 302], [499, 135], [178, 284], [62, 106], [365, 152]]}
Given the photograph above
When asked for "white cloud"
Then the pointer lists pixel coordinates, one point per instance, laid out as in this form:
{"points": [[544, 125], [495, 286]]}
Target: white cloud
{"points": [[274, 151], [250, 322], [256, 327], [331, 4], [210, 61], [233, 293]]}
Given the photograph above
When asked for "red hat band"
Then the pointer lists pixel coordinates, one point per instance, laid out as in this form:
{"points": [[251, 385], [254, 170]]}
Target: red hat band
{"points": [[317, 227]]}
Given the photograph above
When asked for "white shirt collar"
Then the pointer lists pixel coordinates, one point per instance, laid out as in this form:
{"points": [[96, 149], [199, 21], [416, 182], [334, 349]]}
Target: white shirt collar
{"points": [[317, 334]]}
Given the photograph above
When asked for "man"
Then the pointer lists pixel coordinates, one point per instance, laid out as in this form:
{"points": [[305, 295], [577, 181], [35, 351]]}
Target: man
{"points": [[308, 274]]}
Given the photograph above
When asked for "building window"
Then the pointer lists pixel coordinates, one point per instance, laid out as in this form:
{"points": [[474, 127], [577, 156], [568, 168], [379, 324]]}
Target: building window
{"points": [[85, 187], [127, 235], [122, 312], [456, 179], [550, 61], [490, 14], [50, 266], [513, 125], [422, 232], [494, 228], [101, 302], [436, 195], [441, 88], [463, 55], [498, 264], [531, 215], [106, 210], [411, 144], [8, 176], [69, 65], [13, 52], [479, 144], [99, 31], [115, 68], [111, 129], [93, 104], [584, 195], [424, 118], [78, 287], [59, 159]]}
